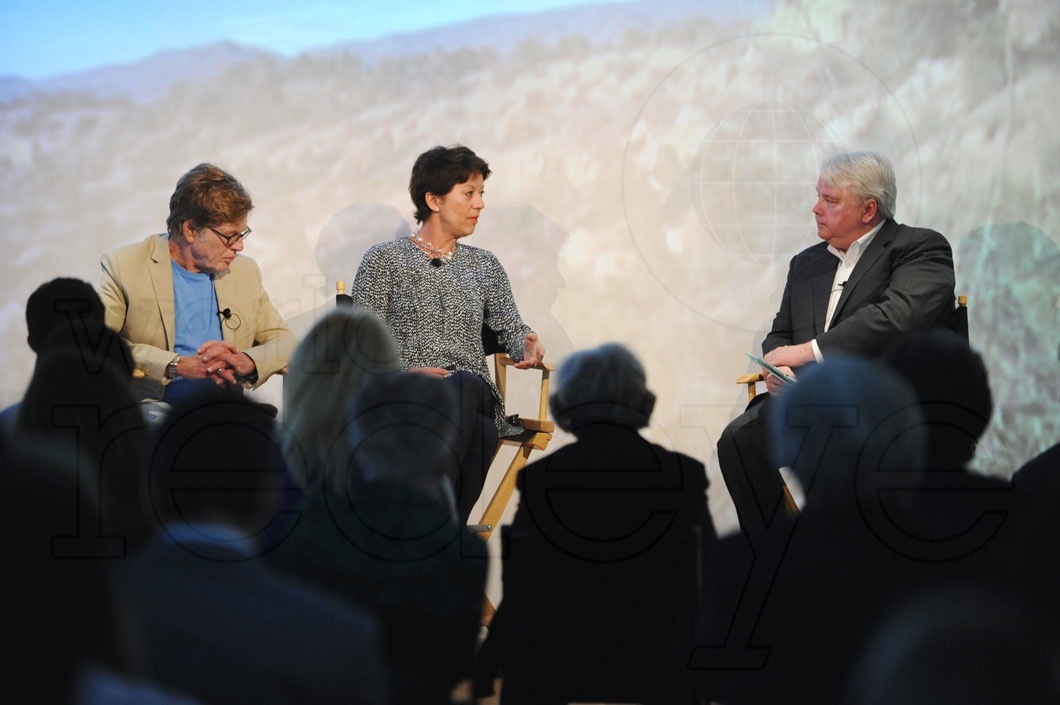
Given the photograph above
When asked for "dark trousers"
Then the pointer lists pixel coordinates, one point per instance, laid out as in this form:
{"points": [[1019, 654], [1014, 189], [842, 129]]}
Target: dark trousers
{"points": [[753, 480], [477, 441]]}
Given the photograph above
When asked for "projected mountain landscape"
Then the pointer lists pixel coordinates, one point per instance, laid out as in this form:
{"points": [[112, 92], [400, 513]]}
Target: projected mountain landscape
{"points": [[654, 169]]}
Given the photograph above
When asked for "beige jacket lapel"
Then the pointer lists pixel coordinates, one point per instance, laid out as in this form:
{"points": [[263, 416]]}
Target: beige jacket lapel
{"points": [[160, 272], [232, 296]]}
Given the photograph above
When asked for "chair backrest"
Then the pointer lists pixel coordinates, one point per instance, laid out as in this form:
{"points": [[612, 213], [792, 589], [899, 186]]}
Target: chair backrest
{"points": [[958, 321], [588, 630], [342, 299]]}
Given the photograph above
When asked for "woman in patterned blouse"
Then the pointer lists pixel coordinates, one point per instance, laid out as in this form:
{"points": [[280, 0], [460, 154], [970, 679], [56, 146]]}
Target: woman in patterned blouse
{"points": [[439, 295]]}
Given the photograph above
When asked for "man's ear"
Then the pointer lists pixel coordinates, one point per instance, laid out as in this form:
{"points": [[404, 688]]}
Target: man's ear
{"points": [[187, 231], [869, 210]]}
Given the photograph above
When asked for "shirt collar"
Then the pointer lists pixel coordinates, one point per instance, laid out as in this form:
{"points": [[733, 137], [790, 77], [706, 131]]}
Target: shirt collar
{"points": [[859, 245]]}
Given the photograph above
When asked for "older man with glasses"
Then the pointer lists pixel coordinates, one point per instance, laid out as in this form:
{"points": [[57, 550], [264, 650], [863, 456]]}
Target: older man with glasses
{"points": [[190, 305]]}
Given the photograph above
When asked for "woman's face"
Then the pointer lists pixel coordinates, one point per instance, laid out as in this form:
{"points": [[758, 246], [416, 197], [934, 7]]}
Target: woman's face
{"points": [[457, 212]]}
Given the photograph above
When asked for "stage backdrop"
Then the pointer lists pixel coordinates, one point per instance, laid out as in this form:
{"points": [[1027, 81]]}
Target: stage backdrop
{"points": [[654, 170]]}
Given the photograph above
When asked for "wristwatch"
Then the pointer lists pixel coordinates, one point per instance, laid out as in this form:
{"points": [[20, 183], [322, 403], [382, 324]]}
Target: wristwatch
{"points": [[171, 368]]}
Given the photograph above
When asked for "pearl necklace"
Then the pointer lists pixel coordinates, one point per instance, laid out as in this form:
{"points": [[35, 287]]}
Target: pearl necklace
{"points": [[430, 249]]}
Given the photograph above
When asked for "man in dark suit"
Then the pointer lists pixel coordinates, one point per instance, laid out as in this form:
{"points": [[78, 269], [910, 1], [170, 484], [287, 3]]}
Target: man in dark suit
{"points": [[870, 280], [216, 621]]}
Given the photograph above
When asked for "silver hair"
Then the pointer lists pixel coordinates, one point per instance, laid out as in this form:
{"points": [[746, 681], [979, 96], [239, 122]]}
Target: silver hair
{"points": [[868, 174], [605, 384]]}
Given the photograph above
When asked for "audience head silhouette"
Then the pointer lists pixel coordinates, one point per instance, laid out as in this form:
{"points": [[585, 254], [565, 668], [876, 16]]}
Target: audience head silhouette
{"points": [[841, 422], [602, 385], [79, 399], [60, 602], [328, 367], [62, 303], [959, 646], [402, 428], [229, 447], [950, 380]]}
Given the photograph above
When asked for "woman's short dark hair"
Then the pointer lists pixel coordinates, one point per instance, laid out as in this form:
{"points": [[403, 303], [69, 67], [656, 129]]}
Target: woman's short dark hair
{"points": [[438, 170], [207, 195]]}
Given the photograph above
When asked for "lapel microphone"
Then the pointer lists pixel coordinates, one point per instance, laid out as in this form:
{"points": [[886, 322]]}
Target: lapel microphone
{"points": [[436, 262], [229, 318]]}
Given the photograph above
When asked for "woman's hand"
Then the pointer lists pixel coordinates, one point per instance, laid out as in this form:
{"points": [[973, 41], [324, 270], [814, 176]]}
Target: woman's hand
{"points": [[533, 352]]}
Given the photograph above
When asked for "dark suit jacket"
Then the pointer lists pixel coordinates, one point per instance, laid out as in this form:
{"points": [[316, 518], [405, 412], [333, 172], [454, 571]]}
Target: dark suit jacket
{"points": [[231, 631], [903, 281]]}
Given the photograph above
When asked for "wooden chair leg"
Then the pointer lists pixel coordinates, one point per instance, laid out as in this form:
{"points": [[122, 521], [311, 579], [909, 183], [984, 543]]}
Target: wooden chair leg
{"points": [[495, 509], [488, 610], [790, 507]]}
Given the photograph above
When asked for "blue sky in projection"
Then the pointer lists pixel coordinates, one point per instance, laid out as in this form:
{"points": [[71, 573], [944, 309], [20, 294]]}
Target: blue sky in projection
{"points": [[46, 38]]}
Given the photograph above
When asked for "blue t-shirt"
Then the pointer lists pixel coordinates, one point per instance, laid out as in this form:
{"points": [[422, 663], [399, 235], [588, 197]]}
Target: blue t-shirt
{"points": [[197, 320]]}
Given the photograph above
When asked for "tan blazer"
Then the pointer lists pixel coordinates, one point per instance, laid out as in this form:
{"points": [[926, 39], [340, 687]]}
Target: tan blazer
{"points": [[137, 291]]}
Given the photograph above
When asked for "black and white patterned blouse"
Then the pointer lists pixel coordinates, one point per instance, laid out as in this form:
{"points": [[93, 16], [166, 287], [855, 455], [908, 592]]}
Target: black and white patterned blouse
{"points": [[437, 312]]}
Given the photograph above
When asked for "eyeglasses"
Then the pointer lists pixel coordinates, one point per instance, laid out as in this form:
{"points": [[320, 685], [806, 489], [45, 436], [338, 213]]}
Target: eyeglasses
{"points": [[229, 239]]}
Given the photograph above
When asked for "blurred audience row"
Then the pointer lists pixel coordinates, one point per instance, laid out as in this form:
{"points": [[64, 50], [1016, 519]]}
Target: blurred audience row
{"points": [[208, 553]]}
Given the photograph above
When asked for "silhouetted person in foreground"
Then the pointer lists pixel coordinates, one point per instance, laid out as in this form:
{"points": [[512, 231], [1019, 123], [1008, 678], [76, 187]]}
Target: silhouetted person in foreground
{"points": [[609, 497], [958, 516], [71, 639], [811, 593], [79, 399], [381, 530], [217, 622], [72, 307], [960, 647]]}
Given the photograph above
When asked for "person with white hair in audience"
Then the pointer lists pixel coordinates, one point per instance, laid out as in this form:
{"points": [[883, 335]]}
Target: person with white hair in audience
{"points": [[610, 494]]}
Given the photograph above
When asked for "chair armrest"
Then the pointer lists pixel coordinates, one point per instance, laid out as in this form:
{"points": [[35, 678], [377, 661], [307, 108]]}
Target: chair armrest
{"points": [[502, 362], [751, 379], [507, 361]]}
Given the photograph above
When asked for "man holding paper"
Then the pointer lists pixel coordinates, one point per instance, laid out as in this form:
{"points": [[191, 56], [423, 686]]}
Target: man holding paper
{"points": [[869, 280]]}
